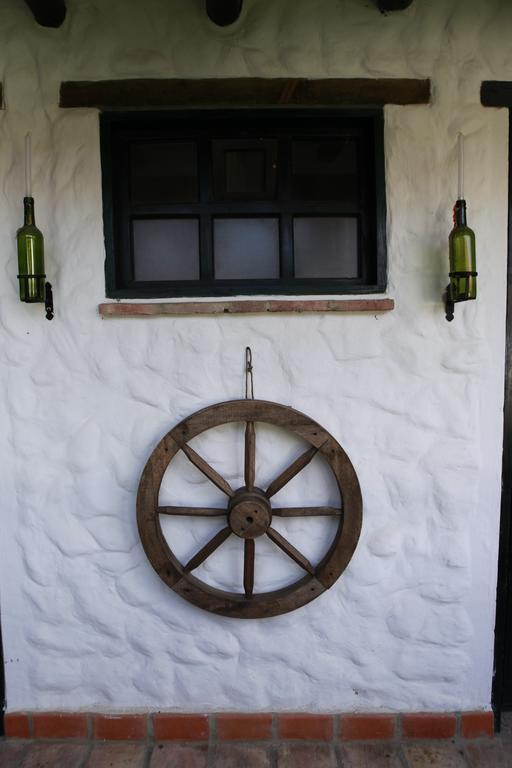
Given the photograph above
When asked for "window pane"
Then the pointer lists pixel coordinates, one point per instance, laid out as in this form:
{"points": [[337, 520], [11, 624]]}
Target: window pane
{"points": [[246, 248], [325, 247], [163, 172], [166, 249], [325, 169], [245, 173], [244, 169]]}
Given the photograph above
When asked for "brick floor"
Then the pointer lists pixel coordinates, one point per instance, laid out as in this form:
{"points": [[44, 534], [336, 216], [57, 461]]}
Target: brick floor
{"points": [[174, 756], [370, 756], [488, 753], [434, 756], [118, 755], [52, 755], [306, 756], [507, 751], [237, 756], [483, 753], [11, 753]]}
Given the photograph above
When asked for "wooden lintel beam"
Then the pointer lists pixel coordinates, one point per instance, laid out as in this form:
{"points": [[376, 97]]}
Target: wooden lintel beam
{"points": [[243, 92], [393, 5], [496, 93], [224, 12], [48, 13]]}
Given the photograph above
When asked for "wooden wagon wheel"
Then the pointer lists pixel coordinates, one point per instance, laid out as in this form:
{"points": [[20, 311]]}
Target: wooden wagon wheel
{"points": [[249, 511]]}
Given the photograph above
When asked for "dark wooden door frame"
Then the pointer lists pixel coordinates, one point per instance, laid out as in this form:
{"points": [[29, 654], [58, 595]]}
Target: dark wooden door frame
{"points": [[499, 94], [2, 685], [505, 545]]}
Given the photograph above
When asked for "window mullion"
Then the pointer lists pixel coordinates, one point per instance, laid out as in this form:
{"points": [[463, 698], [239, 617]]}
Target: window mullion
{"points": [[285, 220], [124, 223], [205, 218], [205, 247], [323, 208]]}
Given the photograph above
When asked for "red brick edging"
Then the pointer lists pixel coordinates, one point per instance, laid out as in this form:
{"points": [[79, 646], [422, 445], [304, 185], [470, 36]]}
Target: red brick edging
{"points": [[204, 728]]}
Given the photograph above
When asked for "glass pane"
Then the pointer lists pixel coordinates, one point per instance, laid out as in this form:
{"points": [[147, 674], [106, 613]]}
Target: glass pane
{"points": [[163, 172], [325, 247], [245, 173], [244, 169], [246, 248], [166, 249], [325, 169]]}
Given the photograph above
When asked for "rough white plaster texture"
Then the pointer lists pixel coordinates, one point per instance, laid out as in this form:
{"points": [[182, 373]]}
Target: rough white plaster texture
{"points": [[415, 401]]}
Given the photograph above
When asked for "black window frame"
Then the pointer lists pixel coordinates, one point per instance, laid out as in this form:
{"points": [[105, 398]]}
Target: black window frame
{"points": [[117, 129]]}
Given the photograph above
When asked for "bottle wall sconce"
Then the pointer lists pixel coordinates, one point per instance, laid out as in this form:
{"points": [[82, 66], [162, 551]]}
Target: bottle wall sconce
{"points": [[31, 274], [463, 274]]}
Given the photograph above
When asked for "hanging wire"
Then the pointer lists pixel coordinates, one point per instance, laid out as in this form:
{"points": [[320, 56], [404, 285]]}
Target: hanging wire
{"points": [[248, 374]]}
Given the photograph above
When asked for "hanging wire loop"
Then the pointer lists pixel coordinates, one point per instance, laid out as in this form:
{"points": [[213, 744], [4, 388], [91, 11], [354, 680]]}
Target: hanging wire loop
{"points": [[249, 381]]}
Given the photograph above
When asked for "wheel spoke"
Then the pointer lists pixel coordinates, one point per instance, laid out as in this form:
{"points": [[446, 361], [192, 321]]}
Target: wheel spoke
{"points": [[208, 549], [290, 550], [248, 567], [250, 455], [290, 472], [207, 470], [306, 511], [191, 511]]}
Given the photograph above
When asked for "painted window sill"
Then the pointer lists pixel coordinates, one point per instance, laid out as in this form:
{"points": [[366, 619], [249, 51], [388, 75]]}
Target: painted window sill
{"points": [[242, 307]]}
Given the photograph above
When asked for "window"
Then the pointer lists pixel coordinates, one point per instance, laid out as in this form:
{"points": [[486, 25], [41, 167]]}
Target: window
{"points": [[211, 202]]}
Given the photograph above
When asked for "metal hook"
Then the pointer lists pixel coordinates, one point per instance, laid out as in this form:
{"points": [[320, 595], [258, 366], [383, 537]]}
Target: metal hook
{"points": [[248, 374]]}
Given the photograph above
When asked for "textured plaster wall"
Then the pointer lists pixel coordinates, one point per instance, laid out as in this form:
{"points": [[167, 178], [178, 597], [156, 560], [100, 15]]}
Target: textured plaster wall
{"points": [[416, 402]]}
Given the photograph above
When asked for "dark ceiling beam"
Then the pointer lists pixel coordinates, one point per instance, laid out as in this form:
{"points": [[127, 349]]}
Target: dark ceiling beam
{"points": [[223, 12], [48, 13], [496, 93], [243, 92], [393, 5]]}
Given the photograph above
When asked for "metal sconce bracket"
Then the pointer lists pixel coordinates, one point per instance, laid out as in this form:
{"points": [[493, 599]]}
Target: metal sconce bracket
{"points": [[48, 294], [449, 302], [48, 301]]}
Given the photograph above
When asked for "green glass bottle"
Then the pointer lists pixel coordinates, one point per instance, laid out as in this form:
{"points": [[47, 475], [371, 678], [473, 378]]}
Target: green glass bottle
{"points": [[30, 257], [462, 257]]}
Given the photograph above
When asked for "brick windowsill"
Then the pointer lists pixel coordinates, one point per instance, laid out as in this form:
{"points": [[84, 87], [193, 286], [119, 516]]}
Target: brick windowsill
{"points": [[242, 307]]}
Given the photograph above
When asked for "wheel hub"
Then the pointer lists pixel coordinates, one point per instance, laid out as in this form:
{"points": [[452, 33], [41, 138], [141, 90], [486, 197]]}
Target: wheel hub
{"points": [[249, 513]]}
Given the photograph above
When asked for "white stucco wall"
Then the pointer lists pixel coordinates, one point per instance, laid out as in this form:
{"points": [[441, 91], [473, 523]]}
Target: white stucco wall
{"points": [[415, 401]]}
